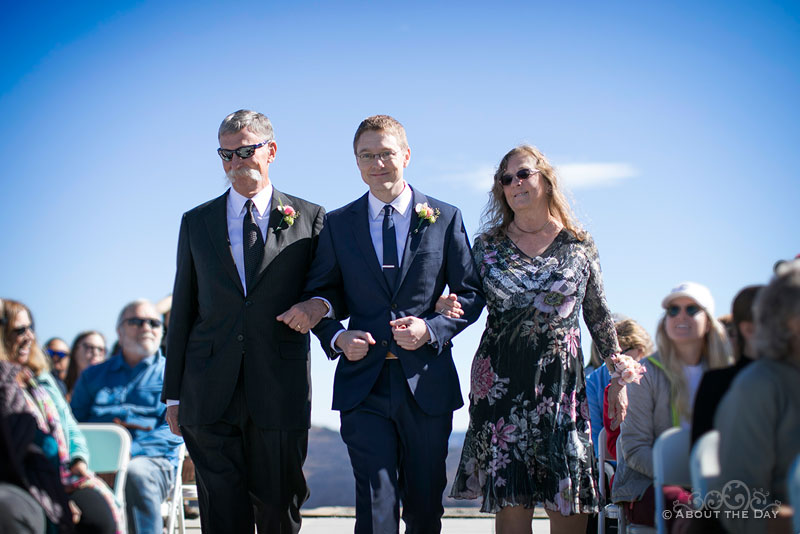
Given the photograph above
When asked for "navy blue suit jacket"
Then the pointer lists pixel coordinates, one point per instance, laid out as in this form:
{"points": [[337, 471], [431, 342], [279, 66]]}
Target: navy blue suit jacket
{"points": [[346, 270]]}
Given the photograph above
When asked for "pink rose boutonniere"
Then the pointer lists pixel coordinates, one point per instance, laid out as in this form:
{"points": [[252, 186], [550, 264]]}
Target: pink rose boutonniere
{"points": [[627, 370], [288, 212], [425, 213]]}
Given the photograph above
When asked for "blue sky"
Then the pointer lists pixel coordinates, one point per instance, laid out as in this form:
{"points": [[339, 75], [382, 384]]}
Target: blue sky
{"points": [[675, 126]]}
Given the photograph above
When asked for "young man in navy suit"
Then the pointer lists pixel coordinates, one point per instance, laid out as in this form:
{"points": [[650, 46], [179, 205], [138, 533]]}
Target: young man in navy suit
{"points": [[388, 257]]}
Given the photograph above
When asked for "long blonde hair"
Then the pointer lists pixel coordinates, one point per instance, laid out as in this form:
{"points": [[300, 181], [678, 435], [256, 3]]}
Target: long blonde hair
{"points": [[716, 353], [497, 214], [37, 362]]}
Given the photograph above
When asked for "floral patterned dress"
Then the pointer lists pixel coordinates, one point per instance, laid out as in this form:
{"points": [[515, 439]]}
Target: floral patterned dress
{"points": [[529, 438]]}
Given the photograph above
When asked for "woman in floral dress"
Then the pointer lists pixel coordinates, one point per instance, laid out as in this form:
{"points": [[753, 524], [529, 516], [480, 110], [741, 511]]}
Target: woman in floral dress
{"points": [[529, 436]]}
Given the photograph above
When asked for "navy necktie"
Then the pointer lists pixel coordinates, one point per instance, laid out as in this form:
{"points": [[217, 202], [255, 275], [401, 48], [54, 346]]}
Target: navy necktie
{"points": [[253, 244], [390, 263]]}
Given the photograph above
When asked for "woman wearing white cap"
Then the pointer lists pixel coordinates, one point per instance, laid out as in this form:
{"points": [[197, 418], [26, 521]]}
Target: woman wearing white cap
{"points": [[689, 340]]}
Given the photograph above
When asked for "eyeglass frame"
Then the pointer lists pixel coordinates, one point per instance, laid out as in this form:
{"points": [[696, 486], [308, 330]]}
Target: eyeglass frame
{"points": [[673, 310], [60, 354], [139, 322], [368, 158], [233, 151], [507, 179]]}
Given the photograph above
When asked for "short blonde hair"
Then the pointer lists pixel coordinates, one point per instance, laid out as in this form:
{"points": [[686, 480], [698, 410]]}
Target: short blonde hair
{"points": [[498, 215]]}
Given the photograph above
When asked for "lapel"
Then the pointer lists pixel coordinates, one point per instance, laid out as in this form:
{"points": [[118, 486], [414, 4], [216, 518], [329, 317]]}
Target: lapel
{"points": [[414, 238], [275, 240], [216, 219], [359, 222]]}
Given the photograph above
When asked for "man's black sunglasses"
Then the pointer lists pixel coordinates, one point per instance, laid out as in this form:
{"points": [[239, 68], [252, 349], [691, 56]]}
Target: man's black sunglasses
{"points": [[243, 152], [139, 322], [522, 174]]}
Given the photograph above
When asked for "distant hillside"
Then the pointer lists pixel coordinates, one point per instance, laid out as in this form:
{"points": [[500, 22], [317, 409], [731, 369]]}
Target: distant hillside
{"points": [[330, 476]]}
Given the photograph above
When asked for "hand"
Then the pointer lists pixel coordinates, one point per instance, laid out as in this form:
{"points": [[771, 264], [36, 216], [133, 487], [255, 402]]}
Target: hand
{"points": [[617, 403], [80, 469], [410, 332], [304, 316], [449, 306], [354, 343], [172, 419], [76, 512]]}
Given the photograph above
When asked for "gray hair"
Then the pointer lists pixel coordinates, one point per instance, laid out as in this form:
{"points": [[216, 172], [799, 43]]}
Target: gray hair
{"points": [[252, 120], [775, 306], [130, 305]]}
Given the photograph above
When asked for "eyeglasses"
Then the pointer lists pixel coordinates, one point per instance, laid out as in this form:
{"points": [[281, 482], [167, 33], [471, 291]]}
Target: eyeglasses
{"points": [[139, 322], [691, 310], [22, 329], [243, 152], [384, 156], [57, 354], [522, 174], [93, 348]]}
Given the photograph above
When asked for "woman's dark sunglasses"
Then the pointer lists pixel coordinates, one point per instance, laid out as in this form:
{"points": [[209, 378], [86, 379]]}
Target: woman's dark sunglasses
{"points": [[522, 174], [243, 152], [691, 310]]}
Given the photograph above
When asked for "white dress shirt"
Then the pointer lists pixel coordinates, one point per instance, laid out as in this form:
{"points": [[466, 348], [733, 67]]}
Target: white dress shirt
{"points": [[402, 224], [236, 212]]}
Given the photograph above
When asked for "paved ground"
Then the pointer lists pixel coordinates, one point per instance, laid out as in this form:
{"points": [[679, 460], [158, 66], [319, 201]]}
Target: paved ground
{"points": [[322, 523]]}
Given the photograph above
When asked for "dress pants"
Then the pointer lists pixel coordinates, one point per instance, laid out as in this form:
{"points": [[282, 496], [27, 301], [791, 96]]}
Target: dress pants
{"points": [[398, 453], [246, 474]]}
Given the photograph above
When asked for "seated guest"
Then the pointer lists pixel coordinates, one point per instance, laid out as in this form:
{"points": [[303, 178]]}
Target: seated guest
{"points": [[126, 389], [688, 340], [89, 348], [56, 425], [634, 341], [716, 382], [759, 418], [58, 352]]}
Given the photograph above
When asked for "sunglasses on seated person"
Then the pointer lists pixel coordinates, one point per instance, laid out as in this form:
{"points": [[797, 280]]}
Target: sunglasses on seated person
{"points": [[57, 354], [243, 152], [140, 322], [522, 174], [691, 310]]}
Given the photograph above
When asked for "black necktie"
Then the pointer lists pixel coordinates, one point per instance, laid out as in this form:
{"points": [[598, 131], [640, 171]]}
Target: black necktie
{"points": [[253, 244], [390, 263]]}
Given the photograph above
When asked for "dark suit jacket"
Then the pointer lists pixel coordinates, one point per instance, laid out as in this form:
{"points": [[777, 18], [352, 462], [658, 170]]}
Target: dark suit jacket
{"points": [[215, 330], [437, 255]]}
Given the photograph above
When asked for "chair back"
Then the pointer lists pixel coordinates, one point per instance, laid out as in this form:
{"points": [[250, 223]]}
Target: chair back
{"points": [[793, 481], [704, 462], [670, 467], [109, 452]]}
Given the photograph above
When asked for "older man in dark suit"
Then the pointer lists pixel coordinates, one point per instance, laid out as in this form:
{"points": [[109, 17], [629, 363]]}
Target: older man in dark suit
{"points": [[389, 256], [238, 380]]}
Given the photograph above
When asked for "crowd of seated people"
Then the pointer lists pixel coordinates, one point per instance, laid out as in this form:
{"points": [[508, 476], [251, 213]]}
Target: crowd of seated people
{"points": [[45, 482]]}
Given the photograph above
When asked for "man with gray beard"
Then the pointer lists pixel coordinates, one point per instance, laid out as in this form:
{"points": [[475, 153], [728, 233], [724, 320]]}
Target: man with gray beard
{"points": [[238, 383]]}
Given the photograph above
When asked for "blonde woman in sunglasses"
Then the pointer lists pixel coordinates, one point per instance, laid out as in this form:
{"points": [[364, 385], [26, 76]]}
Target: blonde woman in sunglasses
{"points": [[689, 341]]}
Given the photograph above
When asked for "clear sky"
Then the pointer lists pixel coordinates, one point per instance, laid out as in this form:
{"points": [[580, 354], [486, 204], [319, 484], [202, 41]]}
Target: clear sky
{"points": [[675, 125]]}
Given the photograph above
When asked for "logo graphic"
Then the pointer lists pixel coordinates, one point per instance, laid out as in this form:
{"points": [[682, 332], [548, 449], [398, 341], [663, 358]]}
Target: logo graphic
{"points": [[735, 501]]}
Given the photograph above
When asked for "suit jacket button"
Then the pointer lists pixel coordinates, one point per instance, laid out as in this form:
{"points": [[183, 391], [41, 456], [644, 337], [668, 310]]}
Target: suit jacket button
{"points": [[240, 337], [248, 303], [384, 343], [394, 305]]}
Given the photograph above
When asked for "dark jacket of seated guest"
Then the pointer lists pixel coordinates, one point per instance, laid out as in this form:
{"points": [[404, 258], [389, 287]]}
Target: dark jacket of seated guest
{"points": [[713, 386]]}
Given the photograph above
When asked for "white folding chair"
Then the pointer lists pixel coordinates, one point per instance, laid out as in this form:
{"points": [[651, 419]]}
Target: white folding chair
{"points": [[670, 467], [704, 463], [172, 508], [607, 509], [109, 452]]}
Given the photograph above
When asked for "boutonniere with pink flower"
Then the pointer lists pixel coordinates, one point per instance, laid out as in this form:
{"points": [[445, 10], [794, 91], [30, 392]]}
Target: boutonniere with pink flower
{"points": [[627, 370], [425, 213], [288, 212]]}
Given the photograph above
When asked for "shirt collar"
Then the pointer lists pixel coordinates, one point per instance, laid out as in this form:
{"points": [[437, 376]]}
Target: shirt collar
{"points": [[118, 361], [401, 203], [262, 200]]}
